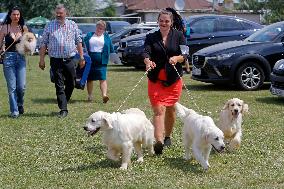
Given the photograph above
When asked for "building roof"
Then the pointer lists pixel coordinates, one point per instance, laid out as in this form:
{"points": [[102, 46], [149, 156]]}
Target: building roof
{"points": [[161, 4]]}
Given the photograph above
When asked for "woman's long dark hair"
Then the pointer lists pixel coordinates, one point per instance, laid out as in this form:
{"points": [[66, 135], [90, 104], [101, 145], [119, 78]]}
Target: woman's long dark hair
{"points": [[177, 20], [8, 17]]}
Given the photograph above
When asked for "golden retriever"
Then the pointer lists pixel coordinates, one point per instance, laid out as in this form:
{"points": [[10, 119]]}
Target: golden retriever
{"points": [[27, 44], [123, 131], [201, 134], [230, 121]]}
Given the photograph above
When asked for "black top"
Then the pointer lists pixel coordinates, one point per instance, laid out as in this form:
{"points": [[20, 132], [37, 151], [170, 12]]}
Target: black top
{"points": [[156, 51], [9, 40]]}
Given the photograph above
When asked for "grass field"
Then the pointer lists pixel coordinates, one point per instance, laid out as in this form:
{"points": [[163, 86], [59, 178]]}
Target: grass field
{"points": [[39, 150]]}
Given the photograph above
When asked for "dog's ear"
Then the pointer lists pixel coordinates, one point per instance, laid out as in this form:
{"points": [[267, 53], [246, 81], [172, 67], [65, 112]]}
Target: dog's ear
{"points": [[245, 108], [226, 106], [107, 121]]}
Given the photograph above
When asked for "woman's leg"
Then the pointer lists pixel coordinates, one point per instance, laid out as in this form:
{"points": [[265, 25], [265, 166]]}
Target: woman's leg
{"points": [[103, 87], [9, 69], [90, 90], [158, 122], [170, 117], [21, 82]]}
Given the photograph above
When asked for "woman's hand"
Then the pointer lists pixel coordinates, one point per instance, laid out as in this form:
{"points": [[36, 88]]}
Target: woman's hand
{"points": [[173, 60], [149, 64]]}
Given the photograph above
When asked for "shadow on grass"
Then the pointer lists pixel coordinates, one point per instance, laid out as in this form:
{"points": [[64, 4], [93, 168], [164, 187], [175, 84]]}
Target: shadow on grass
{"points": [[102, 164], [33, 114], [271, 100], [185, 166], [44, 100], [224, 87], [122, 68]]}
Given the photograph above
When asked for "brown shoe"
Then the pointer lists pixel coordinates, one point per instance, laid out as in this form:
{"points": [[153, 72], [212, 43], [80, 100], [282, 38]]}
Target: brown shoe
{"points": [[105, 99]]}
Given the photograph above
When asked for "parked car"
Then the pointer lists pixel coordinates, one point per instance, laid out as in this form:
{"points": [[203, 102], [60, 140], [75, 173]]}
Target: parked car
{"points": [[205, 30], [277, 79], [86, 27], [246, 63], [2, 17], [115, 26], [134, 29], [131, 30], [37, 31]]}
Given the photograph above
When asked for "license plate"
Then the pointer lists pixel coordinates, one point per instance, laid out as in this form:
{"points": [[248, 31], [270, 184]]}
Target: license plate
{"points": [[196, 71], [276, 91]]}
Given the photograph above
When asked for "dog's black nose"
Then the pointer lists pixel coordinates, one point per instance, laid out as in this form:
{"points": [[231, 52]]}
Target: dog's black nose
{"points": [[236, 110], [222, 147], [85, 128]]}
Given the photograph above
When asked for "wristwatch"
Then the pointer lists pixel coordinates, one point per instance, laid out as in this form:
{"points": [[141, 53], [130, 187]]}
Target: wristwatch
{"points": [[82, 58]]}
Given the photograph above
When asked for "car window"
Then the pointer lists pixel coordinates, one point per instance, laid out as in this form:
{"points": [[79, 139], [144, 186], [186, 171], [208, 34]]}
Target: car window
{"points": [[267, 34], [203, 26], [229, 24], [85, 28], [248, 26]]}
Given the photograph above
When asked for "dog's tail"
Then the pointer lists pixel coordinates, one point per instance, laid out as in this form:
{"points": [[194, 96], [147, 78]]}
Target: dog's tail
{"points": [[182, 111]]}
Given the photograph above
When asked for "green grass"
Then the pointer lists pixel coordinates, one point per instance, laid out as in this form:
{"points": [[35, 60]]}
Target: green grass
{"points": [[38, 150]]}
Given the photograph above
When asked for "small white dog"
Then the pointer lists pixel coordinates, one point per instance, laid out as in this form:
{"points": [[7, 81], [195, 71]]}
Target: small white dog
{"points": [[200, 133], [230, 121], [27, 44], [122, 132]]}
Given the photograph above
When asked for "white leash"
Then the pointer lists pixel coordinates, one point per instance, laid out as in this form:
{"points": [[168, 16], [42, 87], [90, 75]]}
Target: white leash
{"points": [[190, 96], [133, 89]]}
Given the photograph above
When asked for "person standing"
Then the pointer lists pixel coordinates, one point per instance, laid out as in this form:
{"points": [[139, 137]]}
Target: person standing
{"points": [[162, 54], [14, 64], [99, 47], [62, 39]]}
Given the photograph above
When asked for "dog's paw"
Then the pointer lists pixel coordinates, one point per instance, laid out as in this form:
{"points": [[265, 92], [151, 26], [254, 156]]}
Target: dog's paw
{"points": [[123, 166], [140, 159], [206, 166]]}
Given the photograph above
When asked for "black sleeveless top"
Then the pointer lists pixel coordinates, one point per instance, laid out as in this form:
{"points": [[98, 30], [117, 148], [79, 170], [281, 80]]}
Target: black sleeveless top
{"points": [[8, 41]]}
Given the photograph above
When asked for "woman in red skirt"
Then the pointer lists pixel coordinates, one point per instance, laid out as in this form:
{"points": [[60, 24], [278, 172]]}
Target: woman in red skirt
{"points": [[162, 54]]}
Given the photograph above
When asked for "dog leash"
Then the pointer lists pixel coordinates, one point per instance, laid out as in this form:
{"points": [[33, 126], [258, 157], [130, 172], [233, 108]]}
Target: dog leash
{"points": [[190, 96], [146, 72]]}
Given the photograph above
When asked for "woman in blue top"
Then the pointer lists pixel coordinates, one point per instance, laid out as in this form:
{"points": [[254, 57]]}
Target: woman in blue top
{"points": [[99, 47]]}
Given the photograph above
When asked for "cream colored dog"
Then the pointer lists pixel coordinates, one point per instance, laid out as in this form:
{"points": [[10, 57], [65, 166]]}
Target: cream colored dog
{"points": [[200, 133], [27, 44], [230, 121], [122, 132]]}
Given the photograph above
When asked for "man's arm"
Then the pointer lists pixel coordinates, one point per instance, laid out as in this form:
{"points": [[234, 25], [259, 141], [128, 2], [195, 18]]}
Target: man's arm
{"points": [[42, 52], [81, 53]]}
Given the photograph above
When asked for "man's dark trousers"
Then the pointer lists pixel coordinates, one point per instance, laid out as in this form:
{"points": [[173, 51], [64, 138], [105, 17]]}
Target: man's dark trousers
{"points": [[64, 79]]}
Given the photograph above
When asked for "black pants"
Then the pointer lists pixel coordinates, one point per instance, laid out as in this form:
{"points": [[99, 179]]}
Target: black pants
{"points": [[64, 79]]}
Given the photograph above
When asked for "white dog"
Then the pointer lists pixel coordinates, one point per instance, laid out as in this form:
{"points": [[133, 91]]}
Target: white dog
{"points": [[122, 132], [27, 44], [200, 133], [230, 121]]}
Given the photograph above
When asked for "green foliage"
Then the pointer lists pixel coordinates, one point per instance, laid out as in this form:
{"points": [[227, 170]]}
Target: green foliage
{"points": [[38, 150], [275, 11], [253, 5], [46, 8]]}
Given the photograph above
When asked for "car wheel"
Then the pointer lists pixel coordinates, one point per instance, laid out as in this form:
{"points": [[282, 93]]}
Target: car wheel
{"points": [[250, 76]]}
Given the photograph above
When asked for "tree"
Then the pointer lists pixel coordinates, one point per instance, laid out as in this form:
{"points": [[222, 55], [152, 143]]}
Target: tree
{"points": [[46, 8], [251, 5], [275, 11]]}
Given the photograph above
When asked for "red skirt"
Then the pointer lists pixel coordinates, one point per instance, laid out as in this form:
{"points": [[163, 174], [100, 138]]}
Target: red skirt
{"points": [[161, 95]]}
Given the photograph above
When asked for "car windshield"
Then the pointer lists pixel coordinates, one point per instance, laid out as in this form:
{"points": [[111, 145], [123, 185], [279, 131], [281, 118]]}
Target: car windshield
{"points": [[2, 16], [85, 28], [120, 32], [267, 34]]}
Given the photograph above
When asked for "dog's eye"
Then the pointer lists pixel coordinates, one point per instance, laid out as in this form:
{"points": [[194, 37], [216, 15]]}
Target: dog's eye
{"points": [[93, 121], [217, 138]]}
